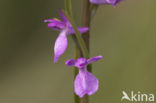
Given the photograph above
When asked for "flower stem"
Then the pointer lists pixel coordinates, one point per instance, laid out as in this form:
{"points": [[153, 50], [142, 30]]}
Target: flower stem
{"points": [[76, 98], [79, 38], [68, 7], [86, 13], [83, 50], [86, 19]]}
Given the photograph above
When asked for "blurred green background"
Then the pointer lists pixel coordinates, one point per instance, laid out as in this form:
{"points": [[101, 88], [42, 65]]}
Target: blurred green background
{"points": [[125, 36]]}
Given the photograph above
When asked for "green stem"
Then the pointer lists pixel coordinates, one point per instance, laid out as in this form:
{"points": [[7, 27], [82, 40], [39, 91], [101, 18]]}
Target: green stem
{"points": [[82, 41], [78, 36], [68, 7], [86, 18], [76, 98], [77, 33]]}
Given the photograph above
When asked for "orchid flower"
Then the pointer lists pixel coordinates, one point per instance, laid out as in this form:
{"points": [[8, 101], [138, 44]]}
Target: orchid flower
{"points": [[85, 82], [65, 29], [102, 2]]}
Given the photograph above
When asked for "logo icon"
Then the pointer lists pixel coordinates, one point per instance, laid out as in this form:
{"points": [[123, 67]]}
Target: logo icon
{"points": [[138, 96], [125, 96]]}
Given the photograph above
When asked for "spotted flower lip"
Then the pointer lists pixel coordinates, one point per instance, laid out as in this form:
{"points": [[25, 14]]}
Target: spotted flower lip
{"points": [[65, 28], [85, 82], [103, 2]]}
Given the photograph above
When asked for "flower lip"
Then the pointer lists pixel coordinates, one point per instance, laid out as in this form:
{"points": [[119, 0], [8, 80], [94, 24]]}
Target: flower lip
{"points": [[60, 45]]}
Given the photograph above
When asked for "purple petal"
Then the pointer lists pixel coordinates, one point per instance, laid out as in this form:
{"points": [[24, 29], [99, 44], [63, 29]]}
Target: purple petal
{"points": [[60, 45], [80, 29], [117, 1], [85, 83], [55, 24], [63, 17], [102, 2], [111, 1], [70, 62], [49, 20], [94, 59]]}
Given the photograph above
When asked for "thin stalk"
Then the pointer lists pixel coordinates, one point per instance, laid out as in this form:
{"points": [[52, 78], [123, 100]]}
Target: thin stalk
{"points": [[76, 98], [78, 36], [86, 18], [69, 15], [68, 7], [83, 49]]}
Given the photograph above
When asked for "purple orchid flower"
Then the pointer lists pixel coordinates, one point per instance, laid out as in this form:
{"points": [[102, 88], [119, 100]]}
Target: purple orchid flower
{"points": [[65, 29], [85, 82], [103, 2]]}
